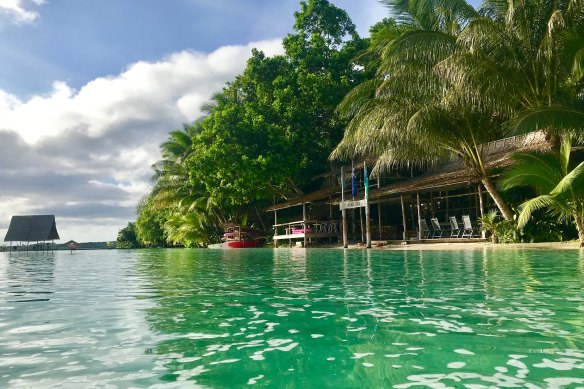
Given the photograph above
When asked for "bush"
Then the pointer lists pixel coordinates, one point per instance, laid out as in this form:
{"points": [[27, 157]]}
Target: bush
{"points": [[507, 232], [543, 228]]}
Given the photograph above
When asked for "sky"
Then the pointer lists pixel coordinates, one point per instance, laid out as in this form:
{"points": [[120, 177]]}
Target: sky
{"points": [[89, 90]]}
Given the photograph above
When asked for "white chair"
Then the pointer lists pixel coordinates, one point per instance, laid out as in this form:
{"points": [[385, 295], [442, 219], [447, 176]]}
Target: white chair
{"points": [[437, 230], [468, 228], [454, 227], [425, 229]]}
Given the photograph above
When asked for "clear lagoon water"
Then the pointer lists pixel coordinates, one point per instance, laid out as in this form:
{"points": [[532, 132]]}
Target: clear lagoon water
{"points": [[292, 318]]}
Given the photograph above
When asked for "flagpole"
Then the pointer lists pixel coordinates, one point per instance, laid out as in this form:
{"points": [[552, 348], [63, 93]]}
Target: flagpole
{"points": [[343, 210], [367, 208]]}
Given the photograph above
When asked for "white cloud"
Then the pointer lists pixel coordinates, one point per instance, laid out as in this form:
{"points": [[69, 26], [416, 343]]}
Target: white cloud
{"points": [[75, 151], [142, 92], [18, 11]]}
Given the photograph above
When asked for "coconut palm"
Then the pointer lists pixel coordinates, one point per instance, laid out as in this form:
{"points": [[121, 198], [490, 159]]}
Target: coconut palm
{"points": [[559, 185], [192, 217], [524, 58], [410, 114]]}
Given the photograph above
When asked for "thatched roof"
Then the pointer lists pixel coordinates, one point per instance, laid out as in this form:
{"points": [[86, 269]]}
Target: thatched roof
{"points": [[320, 194], [449, 175], [454, 174], [34, 228]]}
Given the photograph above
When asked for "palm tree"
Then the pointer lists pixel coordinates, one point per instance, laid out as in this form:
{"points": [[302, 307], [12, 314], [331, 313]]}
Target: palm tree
{"points": [[192, 217], [559, 185], [524, 58], [410, 114]]}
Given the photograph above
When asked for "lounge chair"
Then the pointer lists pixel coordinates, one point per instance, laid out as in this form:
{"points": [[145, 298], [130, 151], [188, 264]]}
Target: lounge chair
{"points": [[437, 230], [454, 227], [469, 229], [425, 229]]}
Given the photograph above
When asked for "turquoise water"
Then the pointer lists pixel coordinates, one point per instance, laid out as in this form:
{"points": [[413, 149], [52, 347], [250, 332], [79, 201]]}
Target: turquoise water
{"points": [[292, 318]]}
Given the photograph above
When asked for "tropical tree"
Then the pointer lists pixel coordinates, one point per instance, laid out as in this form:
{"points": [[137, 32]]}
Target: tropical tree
{"points": [[185, 202], [150, 223], [127, 237], [524, 58], [271, 129], [411, 114], [559, 185]]}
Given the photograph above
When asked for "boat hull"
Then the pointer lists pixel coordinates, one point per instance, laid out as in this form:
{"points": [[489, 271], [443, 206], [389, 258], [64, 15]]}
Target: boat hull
{"points": [[236, 244]]}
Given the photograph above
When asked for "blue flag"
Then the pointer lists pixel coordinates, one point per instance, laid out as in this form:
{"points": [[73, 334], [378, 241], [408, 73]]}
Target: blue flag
{"points": [[354, 184], [366, 182]]}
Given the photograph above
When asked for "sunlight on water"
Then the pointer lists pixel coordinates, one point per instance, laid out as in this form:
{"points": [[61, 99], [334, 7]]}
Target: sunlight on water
{"points": [[331, 318]]}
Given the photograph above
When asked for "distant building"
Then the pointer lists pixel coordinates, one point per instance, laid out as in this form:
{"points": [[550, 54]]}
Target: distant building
{"points": [[33, 228]]}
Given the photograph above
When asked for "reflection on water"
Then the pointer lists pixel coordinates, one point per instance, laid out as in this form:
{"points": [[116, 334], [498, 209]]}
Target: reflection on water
{"points": [[294, 318]]}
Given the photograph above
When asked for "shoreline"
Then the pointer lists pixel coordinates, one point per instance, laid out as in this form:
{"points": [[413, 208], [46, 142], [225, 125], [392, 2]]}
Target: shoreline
{"points": [[571, 245]]}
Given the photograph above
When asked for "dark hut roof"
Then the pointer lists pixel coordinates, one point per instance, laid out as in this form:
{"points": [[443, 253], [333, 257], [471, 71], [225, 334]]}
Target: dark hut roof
{"points": [[33, 228]]}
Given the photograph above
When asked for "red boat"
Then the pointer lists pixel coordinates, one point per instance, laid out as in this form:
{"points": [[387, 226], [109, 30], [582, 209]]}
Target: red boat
{"points": [[240, 237]]}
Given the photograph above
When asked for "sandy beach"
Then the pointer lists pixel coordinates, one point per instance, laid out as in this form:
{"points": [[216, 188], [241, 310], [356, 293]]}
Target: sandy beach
{"points": [[571, 245]]}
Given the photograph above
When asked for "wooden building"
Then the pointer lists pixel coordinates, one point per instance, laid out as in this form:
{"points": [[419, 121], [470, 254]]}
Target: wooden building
{"points": [[397, 202]]}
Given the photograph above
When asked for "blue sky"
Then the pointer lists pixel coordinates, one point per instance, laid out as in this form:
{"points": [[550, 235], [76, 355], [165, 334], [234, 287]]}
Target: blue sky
{"points": [[89, 89], [75, 41]]}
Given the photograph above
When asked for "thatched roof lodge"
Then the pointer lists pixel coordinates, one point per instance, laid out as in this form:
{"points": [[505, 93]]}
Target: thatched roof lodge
{"points": [[400, 200]]}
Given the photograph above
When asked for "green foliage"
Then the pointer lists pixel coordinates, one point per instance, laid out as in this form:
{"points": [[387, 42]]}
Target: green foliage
{"points": [[507, 232], [178, 209], [413, 113], [271, 129], [265, 134], [544, 228], [501, 230], [558, 183], [150, 224], [127, 237], [489, 222]]}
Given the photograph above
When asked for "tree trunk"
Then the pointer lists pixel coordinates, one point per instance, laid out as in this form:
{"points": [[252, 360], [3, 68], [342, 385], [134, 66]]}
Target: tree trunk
{"points": [[580, 228], [496, 196], [262, 222]]}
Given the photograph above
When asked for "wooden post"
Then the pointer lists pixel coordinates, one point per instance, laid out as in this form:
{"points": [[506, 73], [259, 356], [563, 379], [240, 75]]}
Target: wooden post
{"points": [[345, 229], [405, 233], [361, 225], [420, 232], [447, 206], [482, 209], [275, 228], [344, 211], [304, 222], [353, 224], [379, 218], [367, 207], [368, 224], [432, 204]]}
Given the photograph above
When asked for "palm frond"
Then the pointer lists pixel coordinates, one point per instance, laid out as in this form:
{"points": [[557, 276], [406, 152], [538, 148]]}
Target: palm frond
{"points": [[438, 15], [417, 46], [356, 98], [529, 207], [566, 185], [540, 170], [554, 120]]}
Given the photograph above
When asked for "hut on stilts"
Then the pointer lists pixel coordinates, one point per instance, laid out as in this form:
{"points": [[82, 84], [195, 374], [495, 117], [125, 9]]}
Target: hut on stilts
{"points": [[33, 232]]}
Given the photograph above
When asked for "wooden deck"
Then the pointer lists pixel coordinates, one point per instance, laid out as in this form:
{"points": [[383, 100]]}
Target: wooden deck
{"points": [[308, 235], [438, 240]]}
